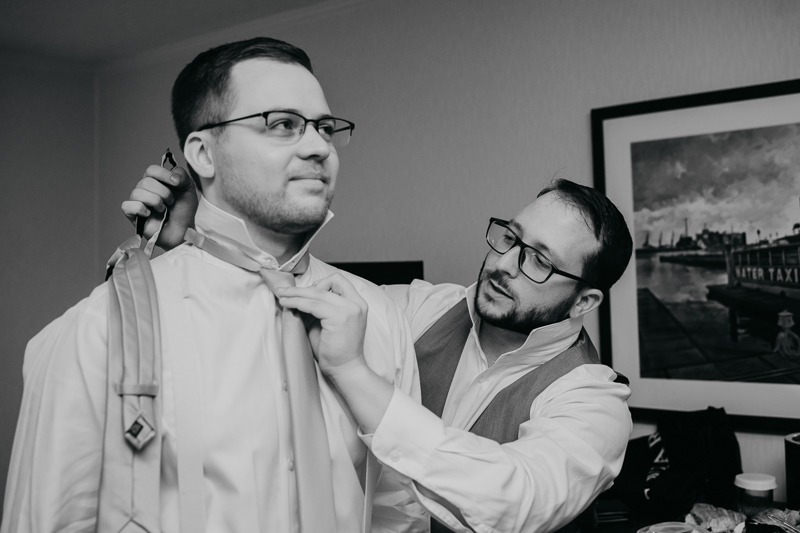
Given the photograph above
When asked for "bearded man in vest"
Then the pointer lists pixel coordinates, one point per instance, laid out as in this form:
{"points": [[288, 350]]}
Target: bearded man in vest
{"points": [[520, 427]]}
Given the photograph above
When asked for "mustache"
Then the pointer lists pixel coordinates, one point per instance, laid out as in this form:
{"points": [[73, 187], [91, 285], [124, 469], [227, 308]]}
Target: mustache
{"points": [[500, 281]]}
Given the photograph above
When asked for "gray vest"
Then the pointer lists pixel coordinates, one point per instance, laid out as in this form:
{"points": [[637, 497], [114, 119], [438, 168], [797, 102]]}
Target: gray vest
{"points": [[438, 353]]}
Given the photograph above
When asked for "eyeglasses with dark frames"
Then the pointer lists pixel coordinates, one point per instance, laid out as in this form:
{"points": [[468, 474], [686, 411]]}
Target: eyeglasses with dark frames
{"points": [[287, 127], [532, 263]]}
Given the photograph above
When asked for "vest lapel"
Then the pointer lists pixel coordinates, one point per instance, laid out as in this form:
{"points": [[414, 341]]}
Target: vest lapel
{"points": [[438, 352], [511, 407]]}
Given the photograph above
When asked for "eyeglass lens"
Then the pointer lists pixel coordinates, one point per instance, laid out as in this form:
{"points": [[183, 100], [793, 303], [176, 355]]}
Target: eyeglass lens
{"points": [[534, 265], [289, 127]]}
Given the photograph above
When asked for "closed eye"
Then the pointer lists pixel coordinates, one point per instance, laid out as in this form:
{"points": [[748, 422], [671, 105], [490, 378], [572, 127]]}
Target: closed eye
{"points": [[538, 259], [326, 128], [284, 124]]}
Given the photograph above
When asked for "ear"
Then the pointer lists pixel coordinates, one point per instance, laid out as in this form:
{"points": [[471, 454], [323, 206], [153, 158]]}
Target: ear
{"points": [[587, 301], [199, 153]]}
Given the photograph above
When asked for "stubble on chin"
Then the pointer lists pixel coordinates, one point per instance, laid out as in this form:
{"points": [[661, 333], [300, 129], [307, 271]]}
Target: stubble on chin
{"points": [[514, 319], [276, 212]]}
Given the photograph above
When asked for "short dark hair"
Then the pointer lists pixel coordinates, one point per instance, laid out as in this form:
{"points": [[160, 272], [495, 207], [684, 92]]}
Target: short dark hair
{"points": [[605, 266], [201, 93]]}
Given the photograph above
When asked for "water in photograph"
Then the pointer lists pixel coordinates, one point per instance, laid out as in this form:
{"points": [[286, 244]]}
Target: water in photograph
{"points": [[712, 341]]}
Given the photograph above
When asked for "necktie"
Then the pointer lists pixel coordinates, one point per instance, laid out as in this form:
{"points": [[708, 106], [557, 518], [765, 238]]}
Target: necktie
{"points": [[311, 485]]}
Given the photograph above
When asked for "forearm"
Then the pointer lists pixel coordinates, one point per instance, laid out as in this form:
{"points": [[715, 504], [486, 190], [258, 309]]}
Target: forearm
{"points": [[368, 396], [365, 392], [539, 482]]}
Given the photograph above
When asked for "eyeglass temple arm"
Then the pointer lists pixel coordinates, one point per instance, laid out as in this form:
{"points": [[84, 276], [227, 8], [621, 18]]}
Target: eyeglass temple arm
{"points": [[214, 125], [571, 276]]}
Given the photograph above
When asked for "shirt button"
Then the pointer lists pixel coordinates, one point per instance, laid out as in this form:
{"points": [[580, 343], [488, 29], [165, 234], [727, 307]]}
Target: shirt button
{"points": [[394, 456], [284, 385], [481, 379], [291, 465]]}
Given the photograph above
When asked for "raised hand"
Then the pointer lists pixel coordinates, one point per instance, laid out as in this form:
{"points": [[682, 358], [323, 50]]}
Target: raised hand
{"points": [[338, 338], [160, 188]]}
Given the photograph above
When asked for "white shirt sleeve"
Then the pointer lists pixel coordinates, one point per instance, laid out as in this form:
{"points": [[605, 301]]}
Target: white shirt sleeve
{"points": [[54, 475], [394, 508], [567, 453], [423, 303]]}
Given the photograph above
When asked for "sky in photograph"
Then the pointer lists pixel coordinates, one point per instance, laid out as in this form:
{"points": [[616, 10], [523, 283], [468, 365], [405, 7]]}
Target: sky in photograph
{"points": [[740, 181]]}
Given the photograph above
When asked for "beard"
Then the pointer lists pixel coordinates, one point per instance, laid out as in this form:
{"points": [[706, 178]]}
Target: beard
{"points": [[517, 319], [275, 211]]}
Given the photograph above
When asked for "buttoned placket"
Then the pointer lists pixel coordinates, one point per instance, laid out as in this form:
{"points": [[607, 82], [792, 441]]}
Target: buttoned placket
{"points": [[284, 416]]}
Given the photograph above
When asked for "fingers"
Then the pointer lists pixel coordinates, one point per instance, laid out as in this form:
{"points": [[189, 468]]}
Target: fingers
{"points": [[329, 298], [334, 290], [311, 306], [133, 209], [338, 284], [313, 301], [156, 200], [173, 178]]}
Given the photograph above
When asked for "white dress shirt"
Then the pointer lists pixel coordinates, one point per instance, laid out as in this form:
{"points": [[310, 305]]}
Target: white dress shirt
{"points": [[54, 476], [569, 451]]}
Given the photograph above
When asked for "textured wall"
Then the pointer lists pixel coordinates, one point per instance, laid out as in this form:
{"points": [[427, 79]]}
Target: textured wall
{"points": [[47, 217]]}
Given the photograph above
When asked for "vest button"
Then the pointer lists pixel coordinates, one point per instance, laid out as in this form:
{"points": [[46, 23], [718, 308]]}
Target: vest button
{"points": [[284, 384], [291, 465]]}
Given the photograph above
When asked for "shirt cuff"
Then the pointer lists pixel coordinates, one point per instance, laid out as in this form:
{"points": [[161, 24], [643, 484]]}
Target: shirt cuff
{"points": [[407, 436]]}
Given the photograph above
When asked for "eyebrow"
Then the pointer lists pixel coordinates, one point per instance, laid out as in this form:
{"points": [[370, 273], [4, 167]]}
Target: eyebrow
{"points": [[297, 112], [542, 247]]}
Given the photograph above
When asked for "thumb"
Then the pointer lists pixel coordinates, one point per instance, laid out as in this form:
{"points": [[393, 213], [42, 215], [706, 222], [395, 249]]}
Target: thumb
{"points": [[185, 181]]}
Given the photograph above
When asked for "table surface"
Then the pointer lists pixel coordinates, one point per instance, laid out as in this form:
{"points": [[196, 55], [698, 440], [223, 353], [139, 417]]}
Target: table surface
{"points": [[635, 521]]}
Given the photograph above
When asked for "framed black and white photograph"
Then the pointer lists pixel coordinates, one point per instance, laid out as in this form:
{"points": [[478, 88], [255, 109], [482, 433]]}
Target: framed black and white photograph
{"points": [[708, 313]]}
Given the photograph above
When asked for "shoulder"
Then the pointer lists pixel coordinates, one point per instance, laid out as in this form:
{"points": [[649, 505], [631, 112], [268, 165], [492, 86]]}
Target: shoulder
{"points": [[588, 391], [420, 294], [424, 303], [590, 378], [184, 254], [88, 313], [76, 339]]}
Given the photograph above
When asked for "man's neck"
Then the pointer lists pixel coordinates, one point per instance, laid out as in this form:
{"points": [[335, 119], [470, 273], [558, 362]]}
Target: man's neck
{"points": [[496, 341], [281, 246]]}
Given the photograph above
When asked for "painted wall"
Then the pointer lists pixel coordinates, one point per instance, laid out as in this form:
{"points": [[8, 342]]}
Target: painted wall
{"points": [[464, 110], [48, 235]]}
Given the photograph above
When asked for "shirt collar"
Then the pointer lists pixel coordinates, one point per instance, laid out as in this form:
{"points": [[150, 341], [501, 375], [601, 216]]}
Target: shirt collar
{"points": [[231, 230], [543, 342]]}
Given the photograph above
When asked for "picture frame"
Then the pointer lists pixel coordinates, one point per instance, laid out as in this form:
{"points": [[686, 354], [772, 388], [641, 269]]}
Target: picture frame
{"points": [[728, 160]]}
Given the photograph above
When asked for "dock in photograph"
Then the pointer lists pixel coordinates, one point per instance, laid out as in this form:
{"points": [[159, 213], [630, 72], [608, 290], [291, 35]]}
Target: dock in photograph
{"points": [[686, 342]]}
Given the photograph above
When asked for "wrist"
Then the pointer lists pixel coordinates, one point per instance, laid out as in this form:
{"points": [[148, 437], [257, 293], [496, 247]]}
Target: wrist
{"points": [[350, 370]]}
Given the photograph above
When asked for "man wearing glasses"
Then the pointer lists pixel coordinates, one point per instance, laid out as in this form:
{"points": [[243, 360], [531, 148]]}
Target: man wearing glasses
{"points": [[251, 437], [523, 427]]}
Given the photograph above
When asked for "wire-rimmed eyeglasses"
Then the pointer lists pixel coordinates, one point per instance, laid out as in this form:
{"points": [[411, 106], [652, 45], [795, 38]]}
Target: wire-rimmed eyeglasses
{"points": [[287, 127], [532, 263]]}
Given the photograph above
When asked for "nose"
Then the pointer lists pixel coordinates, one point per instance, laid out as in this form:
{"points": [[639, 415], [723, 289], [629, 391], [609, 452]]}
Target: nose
{"points": [[312, 145], [509, 262]]}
